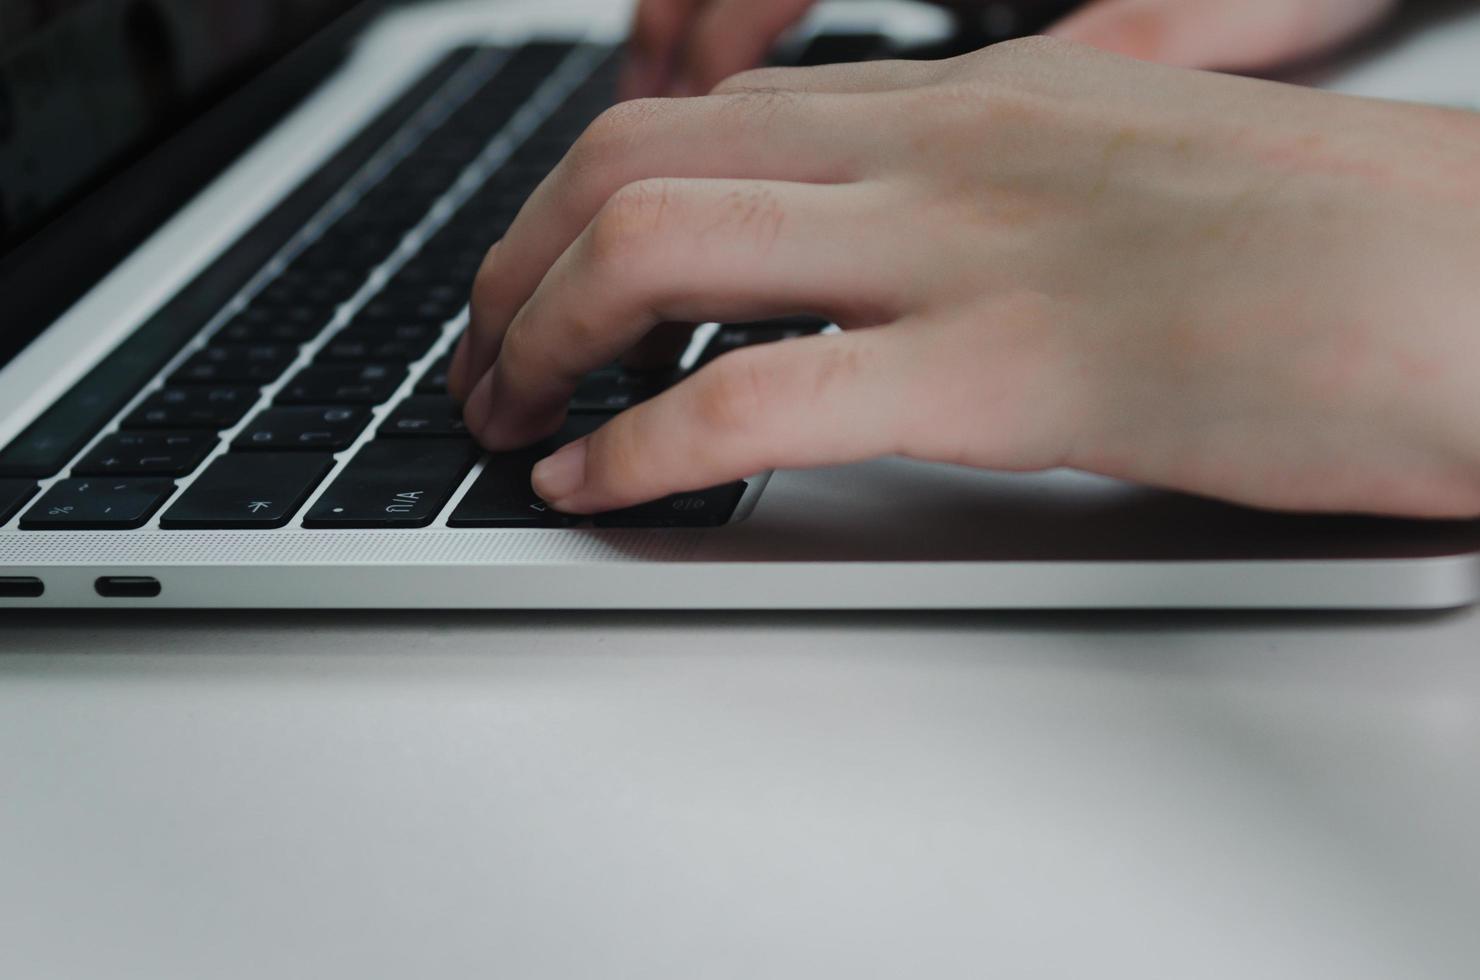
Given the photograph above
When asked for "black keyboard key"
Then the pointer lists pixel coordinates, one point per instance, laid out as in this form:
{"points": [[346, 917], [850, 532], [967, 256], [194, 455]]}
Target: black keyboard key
{"points": [[390, 204], [255, 329], [277, 323], [434, 381], [701, 508], [421, 273], [13, 494], [447, 260], [193, 408], [502, 495], [106, 503], [262, 312], [616, 390], [840, 48], [404, 343], [422, 300], [235, 364], [51, 441], [463, 241], [348, 250], [319, 428], [397, 309], [394, 483], [424, 416], [339, 351], [348, 384], [248, 492], [300, 290], [734, 336], [535, 60], [147, 454]]}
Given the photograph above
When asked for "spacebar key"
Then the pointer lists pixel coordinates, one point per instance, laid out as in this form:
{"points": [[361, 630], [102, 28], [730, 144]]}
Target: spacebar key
{"points": [[393, 483]]}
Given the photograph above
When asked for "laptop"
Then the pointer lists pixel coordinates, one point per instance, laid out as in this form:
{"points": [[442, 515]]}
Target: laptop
{"points": [[236, 243]]}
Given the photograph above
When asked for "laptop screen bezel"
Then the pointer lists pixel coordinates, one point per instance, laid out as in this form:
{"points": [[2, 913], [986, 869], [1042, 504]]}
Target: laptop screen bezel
{"points": [[42, 276]]}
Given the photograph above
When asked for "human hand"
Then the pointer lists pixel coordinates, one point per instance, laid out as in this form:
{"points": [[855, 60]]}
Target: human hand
{"points": [[1043, 255], [1231, 35], [685, 47]]}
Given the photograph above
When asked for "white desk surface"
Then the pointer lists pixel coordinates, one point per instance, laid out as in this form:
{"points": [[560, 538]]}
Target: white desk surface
{"points": [[251, 795], [521, 796]]}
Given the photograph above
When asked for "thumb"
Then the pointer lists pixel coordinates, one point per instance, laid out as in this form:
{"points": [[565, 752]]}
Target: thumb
{"points": [[1221, 34]]}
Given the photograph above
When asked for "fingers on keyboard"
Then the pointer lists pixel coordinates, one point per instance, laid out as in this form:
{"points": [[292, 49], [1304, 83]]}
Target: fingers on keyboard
{"points": [[420, 454]]}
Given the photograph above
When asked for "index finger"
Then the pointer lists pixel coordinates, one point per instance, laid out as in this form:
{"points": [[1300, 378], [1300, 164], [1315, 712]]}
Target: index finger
{"points": [[687, 250], [757, 135]]}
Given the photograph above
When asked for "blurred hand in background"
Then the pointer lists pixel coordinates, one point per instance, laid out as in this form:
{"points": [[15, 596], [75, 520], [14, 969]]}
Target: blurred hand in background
{"points": [[686, 47]]}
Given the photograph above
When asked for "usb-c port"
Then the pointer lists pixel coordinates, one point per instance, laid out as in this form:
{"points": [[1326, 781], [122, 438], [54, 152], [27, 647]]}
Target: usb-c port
{"points": [[127, 587], [20, 587]]}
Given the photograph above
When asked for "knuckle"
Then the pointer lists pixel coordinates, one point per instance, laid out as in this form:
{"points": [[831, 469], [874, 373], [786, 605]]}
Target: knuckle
{"points": [[525, 351], [604, 143], [630, 217], [954, 104], [486, 276], [1016, 61], [620, 124], [758, 106], [967, 104], [514, 355]]}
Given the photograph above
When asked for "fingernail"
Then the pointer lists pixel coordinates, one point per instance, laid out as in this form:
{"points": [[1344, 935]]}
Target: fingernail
{"points": [[560, 475]]}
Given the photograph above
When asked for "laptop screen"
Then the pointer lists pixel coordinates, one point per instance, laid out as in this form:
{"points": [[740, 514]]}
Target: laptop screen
{"points": [[87, 84], [114, 112]]}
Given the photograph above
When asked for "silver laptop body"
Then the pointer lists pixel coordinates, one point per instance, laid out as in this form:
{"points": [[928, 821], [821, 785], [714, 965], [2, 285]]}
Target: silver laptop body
{"points": [[887, 534]]}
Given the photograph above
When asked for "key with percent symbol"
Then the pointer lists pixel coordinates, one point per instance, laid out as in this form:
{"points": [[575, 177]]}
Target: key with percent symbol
{"points": [[97, 504]]}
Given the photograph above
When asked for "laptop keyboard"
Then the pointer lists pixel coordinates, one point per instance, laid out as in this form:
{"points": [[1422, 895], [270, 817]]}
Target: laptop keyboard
{"points": [[317, 396]]}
